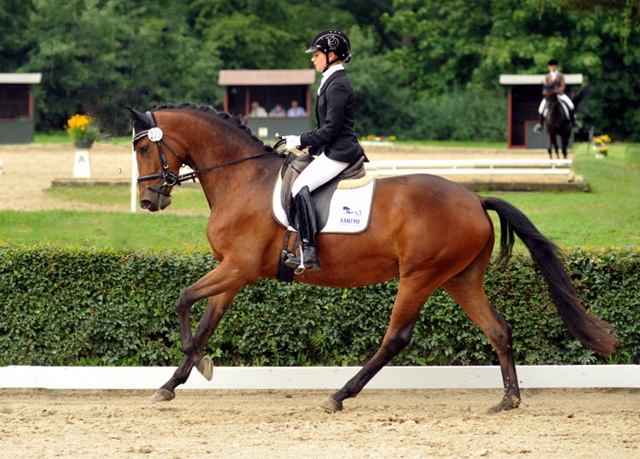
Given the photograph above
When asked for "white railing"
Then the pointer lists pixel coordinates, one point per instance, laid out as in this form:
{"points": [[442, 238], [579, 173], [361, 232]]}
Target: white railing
{"points": [[259, 378], [471, 167]]}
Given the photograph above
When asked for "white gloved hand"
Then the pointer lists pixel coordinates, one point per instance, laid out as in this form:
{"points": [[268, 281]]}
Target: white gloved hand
{"points": [[292, 142]]}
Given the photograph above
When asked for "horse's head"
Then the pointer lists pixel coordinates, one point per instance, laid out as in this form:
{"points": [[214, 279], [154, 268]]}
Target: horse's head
{"points": [[157, 171], [548, 92]]}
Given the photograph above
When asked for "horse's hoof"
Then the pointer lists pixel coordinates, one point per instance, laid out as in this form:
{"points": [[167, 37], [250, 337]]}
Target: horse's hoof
{"points": [[205, 367], [330, 404], [507, 403], [163, 395]]}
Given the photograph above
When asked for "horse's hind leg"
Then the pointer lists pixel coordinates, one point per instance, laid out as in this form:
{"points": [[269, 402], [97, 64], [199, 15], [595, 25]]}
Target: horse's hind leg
{"points": [[467, 290], [412, 294], [216, 307]]}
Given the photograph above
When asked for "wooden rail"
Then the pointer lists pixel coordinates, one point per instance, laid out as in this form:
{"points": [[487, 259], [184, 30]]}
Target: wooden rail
{"points": [[471, 167]]}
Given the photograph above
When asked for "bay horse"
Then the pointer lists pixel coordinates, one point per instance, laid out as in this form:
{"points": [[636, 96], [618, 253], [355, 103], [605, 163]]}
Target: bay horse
{"points": [[557, 121], [426, 230]]}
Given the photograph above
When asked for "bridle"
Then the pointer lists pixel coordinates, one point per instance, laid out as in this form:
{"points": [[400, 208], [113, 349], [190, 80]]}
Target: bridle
{"points": [[169, 178]]}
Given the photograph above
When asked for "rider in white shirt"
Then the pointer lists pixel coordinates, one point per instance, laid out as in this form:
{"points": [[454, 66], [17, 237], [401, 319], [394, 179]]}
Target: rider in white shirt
{"points": [[557, 79]]}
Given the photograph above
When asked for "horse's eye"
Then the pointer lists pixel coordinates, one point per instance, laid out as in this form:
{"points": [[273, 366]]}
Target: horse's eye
{"points": [[144, 150]]}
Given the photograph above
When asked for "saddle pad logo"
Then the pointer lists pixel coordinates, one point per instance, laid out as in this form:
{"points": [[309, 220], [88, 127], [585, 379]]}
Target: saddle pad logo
{"points": [[350, 217]]}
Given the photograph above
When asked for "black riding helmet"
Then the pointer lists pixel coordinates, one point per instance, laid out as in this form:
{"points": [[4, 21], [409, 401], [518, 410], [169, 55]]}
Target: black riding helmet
{"points": [[553, 62], [332, 40]]}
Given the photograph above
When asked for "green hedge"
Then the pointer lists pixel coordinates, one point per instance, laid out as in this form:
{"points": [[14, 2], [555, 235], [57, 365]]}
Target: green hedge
{"points": [[86, 306]]}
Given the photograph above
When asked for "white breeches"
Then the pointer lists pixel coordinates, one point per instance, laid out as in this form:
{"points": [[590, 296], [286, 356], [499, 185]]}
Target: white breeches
{"points": [[564, 98], [317, 173]]}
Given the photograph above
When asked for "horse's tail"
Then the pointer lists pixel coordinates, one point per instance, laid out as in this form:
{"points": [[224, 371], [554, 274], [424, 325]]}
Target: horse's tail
{"points": [[590, 330], [582, 95]]}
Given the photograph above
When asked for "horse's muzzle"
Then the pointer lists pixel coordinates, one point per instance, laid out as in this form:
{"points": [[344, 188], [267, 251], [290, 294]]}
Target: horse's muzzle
{"points": [[153, 201]]}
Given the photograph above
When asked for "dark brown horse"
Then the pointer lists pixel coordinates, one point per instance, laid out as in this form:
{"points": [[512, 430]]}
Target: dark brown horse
{"points": [[426, 230], [557, 122]]}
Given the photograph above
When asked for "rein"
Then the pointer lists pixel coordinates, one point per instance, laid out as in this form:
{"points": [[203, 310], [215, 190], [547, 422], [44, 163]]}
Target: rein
{"points": [[169, 178]]}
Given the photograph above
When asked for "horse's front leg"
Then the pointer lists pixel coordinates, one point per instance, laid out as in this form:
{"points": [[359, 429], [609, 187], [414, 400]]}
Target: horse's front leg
{"points": [[216, 308], [565, 143], [225, 278]]}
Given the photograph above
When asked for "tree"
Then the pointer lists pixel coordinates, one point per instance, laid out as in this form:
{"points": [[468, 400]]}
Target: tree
{"points": [[14, 26], [97, 57], [382, 106], [472, 44], [443, 40]]}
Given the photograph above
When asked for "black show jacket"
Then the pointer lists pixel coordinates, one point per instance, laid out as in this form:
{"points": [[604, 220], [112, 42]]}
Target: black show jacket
{"points": [[335, 134]]}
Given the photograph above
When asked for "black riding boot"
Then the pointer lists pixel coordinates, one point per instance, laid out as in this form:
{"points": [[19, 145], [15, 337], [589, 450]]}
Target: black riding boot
{"points": [[305, 215], [538, 127]]}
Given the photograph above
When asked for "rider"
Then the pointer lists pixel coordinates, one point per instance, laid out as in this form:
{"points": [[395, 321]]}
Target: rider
{"points": [[334, 140], [557, 79]]}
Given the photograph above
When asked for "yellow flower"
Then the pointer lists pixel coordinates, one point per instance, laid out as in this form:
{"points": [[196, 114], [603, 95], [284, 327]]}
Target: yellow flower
{"points": [[82, 127]]}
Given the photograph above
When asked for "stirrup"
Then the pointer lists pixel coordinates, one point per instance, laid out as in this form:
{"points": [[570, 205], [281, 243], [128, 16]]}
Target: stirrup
{"points": [[296, 263], [300, 269], [299, 264], [537, 128]]}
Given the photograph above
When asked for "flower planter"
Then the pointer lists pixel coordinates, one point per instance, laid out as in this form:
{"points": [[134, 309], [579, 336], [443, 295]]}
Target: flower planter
{"points": [[83, 144]]}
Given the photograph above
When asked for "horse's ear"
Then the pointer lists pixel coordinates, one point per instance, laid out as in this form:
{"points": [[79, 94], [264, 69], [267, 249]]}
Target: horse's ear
{"points": [[137, 116]]}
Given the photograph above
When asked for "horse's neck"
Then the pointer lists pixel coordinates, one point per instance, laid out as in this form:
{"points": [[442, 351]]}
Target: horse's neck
{"points": [[230, 183], [556, 112]]}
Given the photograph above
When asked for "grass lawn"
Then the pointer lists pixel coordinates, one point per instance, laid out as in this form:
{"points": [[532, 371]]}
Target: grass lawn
{"points": [[64, 137], [609, 215], [452, 144]]}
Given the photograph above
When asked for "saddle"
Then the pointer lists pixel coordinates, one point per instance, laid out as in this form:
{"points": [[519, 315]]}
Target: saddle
{"points": [[294, 164], [353, 211]]}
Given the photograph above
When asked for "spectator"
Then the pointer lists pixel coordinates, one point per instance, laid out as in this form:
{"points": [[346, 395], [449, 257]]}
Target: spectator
{"points": [[240, 118], [257, 111], [278, 112], [296, 111]]}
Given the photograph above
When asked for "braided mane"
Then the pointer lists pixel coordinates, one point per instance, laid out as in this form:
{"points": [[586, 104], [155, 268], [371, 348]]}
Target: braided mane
{"points": [[222, 115]]}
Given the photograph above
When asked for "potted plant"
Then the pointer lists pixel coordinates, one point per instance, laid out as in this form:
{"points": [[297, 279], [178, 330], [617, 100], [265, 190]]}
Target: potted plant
{"points": [[600, 146], [83, 131]]}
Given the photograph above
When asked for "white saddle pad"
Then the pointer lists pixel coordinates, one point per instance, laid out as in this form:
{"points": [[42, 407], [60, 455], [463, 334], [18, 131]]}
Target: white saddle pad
{"points": [[349, 211]]}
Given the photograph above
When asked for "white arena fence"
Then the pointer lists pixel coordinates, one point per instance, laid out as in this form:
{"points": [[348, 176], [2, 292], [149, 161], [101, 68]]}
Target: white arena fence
{"points": [[470, 377], [445, 167], [472, 167]]}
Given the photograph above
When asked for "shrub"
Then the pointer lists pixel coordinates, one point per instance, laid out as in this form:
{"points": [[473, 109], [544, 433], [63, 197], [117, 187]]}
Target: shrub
{"points": [[460, 115], [86, 306]]}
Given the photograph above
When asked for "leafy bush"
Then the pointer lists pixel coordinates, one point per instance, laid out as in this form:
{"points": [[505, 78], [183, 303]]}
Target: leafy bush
{"points": [[85, 306], [458, 114]]}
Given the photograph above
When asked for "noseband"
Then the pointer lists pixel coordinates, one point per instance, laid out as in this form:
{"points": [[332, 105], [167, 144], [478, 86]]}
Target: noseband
{"points": [[169, 178]]}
